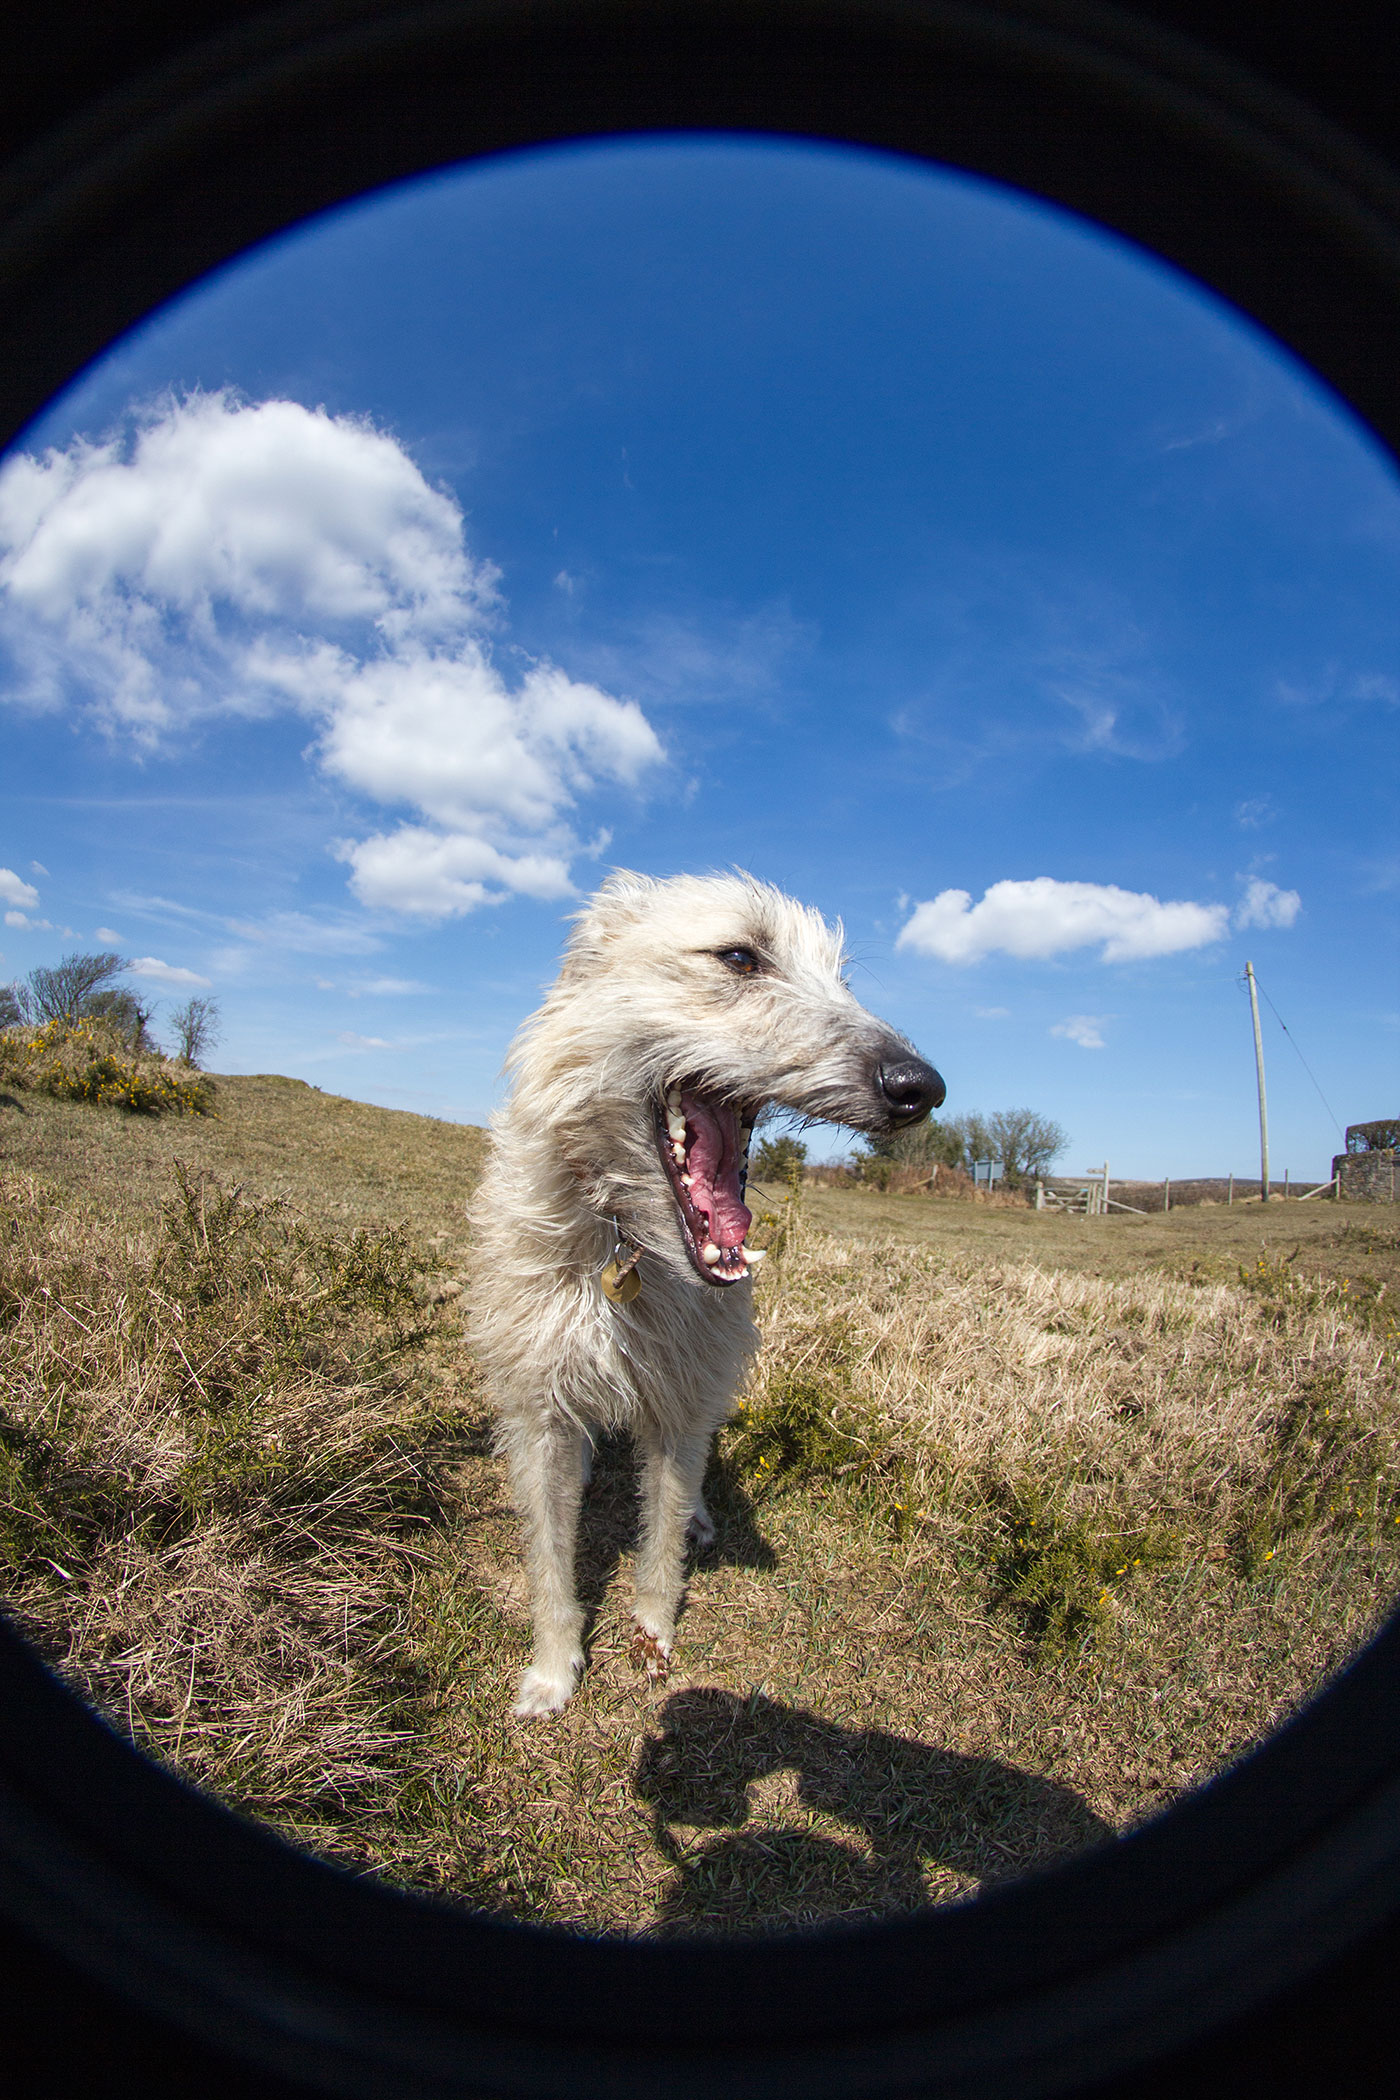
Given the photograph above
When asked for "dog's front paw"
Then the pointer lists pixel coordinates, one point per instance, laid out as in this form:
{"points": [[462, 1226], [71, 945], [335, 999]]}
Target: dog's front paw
{"points": [[651, 1650], [545, 1690]]}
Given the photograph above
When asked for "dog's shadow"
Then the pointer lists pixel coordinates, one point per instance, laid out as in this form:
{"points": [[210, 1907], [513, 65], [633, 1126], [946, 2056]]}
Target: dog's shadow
{"points": [[907, 1804], [609, 1523]]}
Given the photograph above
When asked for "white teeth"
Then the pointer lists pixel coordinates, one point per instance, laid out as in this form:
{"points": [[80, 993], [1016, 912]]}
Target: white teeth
{"points": [[678, 1154], [675, 1129], [745, 1133], [753, 1254], [709, 1253], [687, 1181], [673, 1100]]}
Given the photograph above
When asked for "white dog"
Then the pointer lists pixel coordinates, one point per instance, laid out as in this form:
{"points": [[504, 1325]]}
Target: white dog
{"points": [[611, 1275]]}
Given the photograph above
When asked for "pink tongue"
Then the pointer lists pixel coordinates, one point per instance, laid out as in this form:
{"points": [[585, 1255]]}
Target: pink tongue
{"points": [[712, 1162]]}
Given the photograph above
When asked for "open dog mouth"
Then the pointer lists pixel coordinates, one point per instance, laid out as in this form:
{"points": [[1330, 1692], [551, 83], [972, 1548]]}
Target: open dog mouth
{"points": [[704, 1147]]}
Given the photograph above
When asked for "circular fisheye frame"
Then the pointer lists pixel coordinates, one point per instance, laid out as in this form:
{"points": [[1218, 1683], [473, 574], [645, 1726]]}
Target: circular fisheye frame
{"points": [[1245, 1940]]}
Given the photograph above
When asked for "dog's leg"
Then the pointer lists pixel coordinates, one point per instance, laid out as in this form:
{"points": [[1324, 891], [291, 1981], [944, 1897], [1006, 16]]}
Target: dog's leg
{"points": [[672, 1472], [547, 1473], [700, 1531]]}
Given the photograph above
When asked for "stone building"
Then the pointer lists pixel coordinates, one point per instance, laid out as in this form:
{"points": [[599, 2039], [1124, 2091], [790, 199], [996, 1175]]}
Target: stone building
{"points": [[1367, 1168]]}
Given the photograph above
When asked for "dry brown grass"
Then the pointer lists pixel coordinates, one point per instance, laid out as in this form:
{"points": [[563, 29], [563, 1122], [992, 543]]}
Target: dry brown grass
{"points": [[1027, 1524]]}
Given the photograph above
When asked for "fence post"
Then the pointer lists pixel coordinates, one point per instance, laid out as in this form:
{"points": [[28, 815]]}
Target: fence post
{"points": [[1040, 1195], [1231, 1197], [1167, 1194]]}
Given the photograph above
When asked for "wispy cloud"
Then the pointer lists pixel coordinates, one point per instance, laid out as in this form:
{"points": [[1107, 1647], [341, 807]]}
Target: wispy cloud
{"points": [[1044, 917], [1335, 687], [109, 933], [1032, 658], [220, 557], [387, 988], [1256, 811], [1212, 433], [301, 934], [1084, 1029]]}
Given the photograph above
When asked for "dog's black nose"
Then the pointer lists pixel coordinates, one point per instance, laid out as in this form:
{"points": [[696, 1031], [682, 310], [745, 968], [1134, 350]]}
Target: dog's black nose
{"points": [[911, 1089]]}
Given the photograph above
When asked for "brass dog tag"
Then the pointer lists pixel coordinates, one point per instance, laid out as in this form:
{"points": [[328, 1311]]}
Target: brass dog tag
{"points": [[621, 1285]]}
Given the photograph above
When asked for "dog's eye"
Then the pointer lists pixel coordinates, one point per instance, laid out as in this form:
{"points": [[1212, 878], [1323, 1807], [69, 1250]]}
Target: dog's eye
{"points": [[742, 961]]}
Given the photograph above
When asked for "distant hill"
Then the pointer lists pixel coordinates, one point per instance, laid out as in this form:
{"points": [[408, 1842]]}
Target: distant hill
{"points": [[337, 1162]]}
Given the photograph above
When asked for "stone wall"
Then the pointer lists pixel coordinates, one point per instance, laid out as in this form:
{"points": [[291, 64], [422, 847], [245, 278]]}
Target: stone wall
{"points": [[1368, 1177]]}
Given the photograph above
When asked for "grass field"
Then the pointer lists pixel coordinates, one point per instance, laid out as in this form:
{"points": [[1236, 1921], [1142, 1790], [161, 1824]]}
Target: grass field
{"points": [[1027, 1522]]}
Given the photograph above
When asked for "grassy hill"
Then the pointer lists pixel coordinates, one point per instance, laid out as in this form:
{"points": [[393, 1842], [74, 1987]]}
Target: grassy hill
{"points": [[1026, 1523]]}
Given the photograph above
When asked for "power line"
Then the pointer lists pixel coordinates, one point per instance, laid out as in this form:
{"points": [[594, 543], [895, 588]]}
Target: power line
{"points": [[1301, 1059]]}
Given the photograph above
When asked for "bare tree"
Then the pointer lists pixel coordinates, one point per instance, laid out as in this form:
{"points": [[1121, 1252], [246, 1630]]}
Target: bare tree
{"points": [[196, 1026], [65, 992], [11, 1007]]}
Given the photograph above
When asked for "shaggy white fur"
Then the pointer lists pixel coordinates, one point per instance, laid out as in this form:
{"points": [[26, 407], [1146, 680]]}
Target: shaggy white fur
{"points": [[683, 1010]]}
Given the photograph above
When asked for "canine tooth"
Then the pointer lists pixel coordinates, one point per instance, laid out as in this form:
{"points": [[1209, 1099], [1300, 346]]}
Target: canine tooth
{"points": [[753, 1254], [709, 1253]]}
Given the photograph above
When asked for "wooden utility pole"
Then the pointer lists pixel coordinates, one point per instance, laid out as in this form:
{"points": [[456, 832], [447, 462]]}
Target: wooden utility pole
{"points": [[1263, 1099]]}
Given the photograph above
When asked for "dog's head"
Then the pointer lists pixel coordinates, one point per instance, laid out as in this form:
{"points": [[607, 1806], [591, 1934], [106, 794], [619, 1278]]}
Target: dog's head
{"points": [[684, 1011]]}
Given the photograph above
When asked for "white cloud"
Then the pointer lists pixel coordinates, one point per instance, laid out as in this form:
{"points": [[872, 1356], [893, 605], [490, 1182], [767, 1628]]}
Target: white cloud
{"points": [[151, 966], [433, 875], [22, 918], [14, 891], [109, 933], [1044, 917], [1265, 904], [225, 557], [363, 1042], [1083, 1029], [383, 988], [36, 867]]}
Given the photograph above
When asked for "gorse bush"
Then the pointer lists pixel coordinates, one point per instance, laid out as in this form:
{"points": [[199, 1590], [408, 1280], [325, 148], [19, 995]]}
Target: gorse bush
{"points": [[93, 1060], [1061, 1572]]}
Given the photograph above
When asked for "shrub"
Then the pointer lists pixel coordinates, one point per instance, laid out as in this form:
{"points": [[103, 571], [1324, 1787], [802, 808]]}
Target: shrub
{"points": [[779, 1159], [93, 1060], [1059, 1573]]}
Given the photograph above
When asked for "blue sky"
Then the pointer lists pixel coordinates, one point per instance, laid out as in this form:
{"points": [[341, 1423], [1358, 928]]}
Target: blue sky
{"points": [[692, 503]]}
